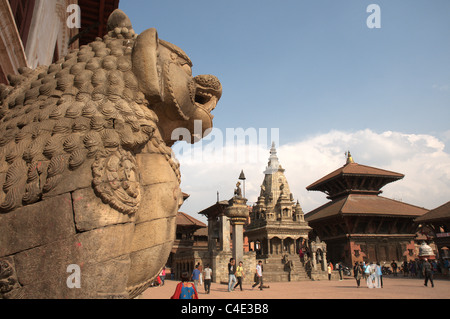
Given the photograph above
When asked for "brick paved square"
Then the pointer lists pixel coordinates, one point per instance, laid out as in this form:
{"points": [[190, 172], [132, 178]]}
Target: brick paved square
{"points": [[394, 288]]}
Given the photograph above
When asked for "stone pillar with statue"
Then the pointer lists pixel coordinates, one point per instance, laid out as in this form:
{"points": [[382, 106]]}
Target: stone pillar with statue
{"points": [[237, 212]]}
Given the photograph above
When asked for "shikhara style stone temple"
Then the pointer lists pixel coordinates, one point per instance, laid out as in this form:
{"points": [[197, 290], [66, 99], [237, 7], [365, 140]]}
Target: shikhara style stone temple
{"points": [[277, 228]]}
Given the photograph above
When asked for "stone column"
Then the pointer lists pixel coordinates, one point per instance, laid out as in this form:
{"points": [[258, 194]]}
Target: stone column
{"points": [[224, 234], [237, 211], [238, 242]]}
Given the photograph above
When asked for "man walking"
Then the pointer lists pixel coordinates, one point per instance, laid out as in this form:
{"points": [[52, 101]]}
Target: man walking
{"points": [[195, 277], [259, 276], [394, 268], [340, 269], [427, 272], [231, 274], [207, 272]]}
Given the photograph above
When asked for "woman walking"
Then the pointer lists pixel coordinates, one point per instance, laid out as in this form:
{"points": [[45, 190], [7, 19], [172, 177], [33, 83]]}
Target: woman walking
{"points": [[329, 269], [239, 275], [357, 273]]}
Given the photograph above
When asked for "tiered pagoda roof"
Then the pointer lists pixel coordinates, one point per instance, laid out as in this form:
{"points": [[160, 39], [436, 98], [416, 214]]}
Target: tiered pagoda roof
{"points": [[354, 178], [353, 190]]}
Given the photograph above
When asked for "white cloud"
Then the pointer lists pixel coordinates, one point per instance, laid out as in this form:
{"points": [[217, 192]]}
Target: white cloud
{"points": [[442, 87], [421, 158]]}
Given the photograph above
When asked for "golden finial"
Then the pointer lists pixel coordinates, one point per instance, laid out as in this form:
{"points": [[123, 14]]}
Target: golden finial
{"points": [[349, 158]]}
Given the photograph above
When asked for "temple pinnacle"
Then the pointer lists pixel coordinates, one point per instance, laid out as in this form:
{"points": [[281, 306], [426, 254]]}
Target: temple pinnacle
{"points": [[349, 158]]}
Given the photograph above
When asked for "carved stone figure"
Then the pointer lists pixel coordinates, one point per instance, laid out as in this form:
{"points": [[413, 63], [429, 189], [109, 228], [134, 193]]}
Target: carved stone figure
{"points": [[238, 191], [87, 172]]}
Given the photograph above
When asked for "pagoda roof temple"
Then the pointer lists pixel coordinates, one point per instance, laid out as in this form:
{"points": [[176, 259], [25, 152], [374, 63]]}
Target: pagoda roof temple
{"points": [[359, 225], [354, 178]]}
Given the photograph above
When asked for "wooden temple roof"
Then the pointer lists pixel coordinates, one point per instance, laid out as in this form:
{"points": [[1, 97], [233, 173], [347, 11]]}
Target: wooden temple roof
{"points": [[353, 178], [373, 205], [187, 220], [215, 210], [355, 169], [439, 213]]}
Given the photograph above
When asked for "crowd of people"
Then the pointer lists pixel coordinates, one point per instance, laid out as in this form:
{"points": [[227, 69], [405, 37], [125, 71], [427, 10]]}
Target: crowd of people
{"points": [[369, 273], [414, 268], [372, 273]]}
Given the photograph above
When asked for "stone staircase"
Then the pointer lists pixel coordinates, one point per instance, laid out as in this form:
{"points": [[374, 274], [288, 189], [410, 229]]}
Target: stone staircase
{"points": [[275, 270]]}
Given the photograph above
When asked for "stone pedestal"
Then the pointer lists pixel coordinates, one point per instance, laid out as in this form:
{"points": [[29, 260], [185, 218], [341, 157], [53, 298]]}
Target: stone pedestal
{"points": [[237, 212]]}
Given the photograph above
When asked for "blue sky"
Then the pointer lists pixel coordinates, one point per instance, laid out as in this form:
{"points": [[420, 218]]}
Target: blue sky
{"points": [[310, 68]]}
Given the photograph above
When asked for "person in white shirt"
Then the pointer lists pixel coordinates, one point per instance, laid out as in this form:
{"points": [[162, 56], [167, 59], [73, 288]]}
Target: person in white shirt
{"points": [[259, 276], [207, 272]]}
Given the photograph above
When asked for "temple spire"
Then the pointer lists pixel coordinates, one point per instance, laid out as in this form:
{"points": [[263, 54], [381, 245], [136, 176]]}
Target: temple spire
{"points": [[273, 164]]}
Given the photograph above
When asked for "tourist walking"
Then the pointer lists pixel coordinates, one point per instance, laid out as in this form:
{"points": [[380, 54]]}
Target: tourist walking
{"points": [[357, 273], [329, 269], [207, 275], [394, 268], [200, 279], [340, 269], [420, 269], [405, 268], [372, 279], [239, 275], [258, 276], [427, 273], [363, 267], [231, 274], [185, 289], [379, 274], [196, 277], [412, 268], [366, 271], [162, 275]]}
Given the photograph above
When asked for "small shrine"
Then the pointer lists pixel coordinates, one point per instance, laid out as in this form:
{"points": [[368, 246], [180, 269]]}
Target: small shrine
{"points": [[437, 224], [426, 251]]}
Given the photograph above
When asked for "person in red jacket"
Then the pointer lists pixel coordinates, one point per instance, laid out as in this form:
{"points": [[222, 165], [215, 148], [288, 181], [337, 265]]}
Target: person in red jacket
{"points": [[185, 289]]}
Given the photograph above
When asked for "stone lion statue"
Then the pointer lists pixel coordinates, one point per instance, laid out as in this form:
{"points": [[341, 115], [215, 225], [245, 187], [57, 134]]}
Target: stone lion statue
{"points": [[90, 189]]}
